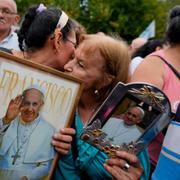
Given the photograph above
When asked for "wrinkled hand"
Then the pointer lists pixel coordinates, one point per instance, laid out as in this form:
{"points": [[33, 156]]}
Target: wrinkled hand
{"points": [[13, 109], [62, 140], [115, 166]]}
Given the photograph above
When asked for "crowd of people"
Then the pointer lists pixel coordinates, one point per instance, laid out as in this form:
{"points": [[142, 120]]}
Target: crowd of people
{"points": [[49, 37]]}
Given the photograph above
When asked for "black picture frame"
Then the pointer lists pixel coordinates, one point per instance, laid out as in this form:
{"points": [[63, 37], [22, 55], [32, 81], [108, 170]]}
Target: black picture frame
{"points": [[101, 132]]}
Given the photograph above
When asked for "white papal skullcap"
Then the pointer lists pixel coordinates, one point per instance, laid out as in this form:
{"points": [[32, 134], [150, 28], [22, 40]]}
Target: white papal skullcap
{"points": [[37, 87]]}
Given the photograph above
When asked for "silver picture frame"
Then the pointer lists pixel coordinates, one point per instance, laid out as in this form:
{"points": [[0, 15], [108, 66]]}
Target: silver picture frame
{"points": [[111, 129]]}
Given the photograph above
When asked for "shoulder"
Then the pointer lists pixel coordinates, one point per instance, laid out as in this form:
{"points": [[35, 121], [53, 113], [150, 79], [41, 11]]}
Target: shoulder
{"points": [[149, 63], [150, 70]]}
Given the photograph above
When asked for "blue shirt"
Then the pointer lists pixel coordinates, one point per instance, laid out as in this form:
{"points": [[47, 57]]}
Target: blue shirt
{"points": [[89, 160], [11, 41]]}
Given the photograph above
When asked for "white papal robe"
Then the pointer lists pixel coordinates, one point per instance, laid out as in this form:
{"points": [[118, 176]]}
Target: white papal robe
{"points": [[35, 153]]}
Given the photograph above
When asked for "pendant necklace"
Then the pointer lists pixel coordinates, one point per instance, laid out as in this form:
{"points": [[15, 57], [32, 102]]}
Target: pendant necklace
{"points": [[17, 155]]}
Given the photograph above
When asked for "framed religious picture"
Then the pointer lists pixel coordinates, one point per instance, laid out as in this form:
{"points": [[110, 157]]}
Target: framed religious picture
{"points": [[130, 117], [35, 102]]}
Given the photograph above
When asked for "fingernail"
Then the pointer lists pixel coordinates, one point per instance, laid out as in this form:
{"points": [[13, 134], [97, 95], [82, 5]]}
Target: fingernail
{"points": [[62, 130], [55, 135]]}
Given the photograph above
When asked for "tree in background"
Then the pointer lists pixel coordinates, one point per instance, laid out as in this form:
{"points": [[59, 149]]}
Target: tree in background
{"points": [[127, 18]]}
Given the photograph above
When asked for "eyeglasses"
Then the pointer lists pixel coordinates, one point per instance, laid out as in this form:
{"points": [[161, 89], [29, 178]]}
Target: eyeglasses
{"points": [[73, 43], [5, 11]]}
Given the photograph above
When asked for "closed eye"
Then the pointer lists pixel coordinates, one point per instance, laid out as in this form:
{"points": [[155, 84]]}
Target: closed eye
{"points": [[80, 63]]}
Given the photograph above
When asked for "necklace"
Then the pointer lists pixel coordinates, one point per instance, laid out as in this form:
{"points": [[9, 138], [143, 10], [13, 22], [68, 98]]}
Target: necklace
{"points": [[19, 146]]}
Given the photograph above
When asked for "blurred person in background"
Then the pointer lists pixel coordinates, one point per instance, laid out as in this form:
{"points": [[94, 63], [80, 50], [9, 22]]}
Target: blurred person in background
{"points": [[8, 19], [162, 69], [149, 47], [136, 44]]}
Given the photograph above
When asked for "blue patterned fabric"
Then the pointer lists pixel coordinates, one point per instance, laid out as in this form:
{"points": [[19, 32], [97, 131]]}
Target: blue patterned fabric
{"points": [[168, 166], [89, 160]]}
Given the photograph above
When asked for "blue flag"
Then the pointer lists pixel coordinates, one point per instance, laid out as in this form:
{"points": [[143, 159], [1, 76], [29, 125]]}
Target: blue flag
{"points": [[149, 32]]}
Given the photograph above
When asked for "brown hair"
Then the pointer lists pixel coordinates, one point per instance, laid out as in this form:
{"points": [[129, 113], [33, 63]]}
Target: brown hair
{"points": [[115, 53]]}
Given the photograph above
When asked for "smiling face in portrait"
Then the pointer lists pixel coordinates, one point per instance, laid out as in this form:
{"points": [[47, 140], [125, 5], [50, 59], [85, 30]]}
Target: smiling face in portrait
{"points": [[31, 105], [133, 116]]}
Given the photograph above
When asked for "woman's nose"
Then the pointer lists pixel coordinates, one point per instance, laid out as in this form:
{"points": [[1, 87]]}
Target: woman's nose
{"points": [[68, 69], [69, 66]]}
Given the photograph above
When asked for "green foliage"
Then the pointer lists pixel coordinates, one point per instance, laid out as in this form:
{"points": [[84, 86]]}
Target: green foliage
{"points": [[127, 18]]}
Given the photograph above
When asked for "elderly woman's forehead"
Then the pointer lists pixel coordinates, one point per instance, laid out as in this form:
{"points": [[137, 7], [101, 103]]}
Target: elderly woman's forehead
{"points": [[92, 42], [90, 37], [89, 48]]}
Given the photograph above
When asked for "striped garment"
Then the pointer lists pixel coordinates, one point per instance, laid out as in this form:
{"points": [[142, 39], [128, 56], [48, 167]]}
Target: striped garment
{"points": [[168, 166]]}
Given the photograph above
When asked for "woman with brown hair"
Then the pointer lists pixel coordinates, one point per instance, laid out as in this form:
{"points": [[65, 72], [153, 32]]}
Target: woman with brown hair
{"points": [[101, 62]]}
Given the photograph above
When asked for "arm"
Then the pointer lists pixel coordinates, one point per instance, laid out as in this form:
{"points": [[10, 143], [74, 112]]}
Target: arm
{"points": [[151, 70]]}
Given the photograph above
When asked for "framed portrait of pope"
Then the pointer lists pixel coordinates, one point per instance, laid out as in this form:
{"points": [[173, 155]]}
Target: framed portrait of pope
{"points": [[129, 119], [35, 102]]}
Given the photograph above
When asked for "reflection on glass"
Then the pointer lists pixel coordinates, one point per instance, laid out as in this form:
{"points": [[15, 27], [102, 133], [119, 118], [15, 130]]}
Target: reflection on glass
{"points": [[125, 127], [126, 123], [125, 118]]}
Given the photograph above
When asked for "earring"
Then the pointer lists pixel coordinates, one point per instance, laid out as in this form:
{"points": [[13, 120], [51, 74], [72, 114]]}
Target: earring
{"points": [[96, 92]]}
